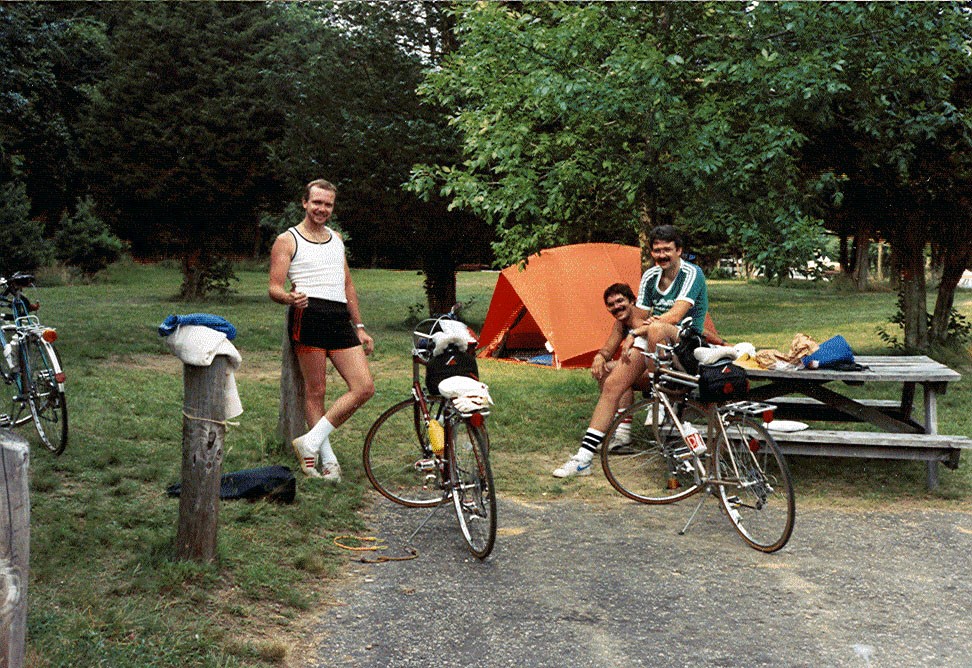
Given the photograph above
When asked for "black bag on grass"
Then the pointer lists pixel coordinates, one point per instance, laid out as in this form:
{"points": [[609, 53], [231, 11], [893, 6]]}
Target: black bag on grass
{"points": [[272, 483], [722, 381]]}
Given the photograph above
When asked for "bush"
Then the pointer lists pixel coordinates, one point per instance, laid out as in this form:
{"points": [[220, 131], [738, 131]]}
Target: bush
{"points": [[22, 246], [85, 242]]}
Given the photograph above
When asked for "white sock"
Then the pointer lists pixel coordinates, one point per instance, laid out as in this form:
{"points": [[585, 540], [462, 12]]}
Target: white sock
{"points": [[589, 445], [623, 431], [320, 434]]}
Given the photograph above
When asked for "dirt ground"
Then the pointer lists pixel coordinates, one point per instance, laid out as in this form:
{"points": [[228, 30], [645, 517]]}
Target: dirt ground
{"points": [[573, 584]]}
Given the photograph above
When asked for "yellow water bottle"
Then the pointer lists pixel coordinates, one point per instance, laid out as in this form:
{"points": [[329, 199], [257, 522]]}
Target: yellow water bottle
{"points": [[436, 436]]}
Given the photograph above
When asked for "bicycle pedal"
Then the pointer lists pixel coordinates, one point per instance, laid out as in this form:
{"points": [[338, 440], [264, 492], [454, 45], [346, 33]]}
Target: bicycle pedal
{"points": [[425, 465], [5, 421]]}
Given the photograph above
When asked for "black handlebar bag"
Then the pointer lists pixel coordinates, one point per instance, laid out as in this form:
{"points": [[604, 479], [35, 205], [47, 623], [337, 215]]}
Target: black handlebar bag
{"points": [[450, 362], [722, 381]]}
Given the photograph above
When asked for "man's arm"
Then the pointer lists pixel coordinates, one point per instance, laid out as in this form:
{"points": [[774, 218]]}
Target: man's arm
{"points": [[355, 312], [280, 255], [602, 356]]}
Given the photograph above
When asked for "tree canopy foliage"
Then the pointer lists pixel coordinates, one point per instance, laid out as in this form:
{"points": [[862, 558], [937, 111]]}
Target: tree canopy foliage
{"points": [[758, 126], [763, 122], [197, 121]]}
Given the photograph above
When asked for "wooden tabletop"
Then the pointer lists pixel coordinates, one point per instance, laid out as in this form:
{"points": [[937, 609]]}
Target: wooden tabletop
{"points": [[880, 368]]}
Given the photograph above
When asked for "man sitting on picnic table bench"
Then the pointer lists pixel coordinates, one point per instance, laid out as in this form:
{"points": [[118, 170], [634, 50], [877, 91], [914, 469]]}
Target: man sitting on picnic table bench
{"points": [[619, 300], [669, 291]]}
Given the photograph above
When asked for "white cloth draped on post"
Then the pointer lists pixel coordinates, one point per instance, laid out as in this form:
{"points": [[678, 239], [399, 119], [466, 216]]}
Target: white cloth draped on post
{"points": [[198, 345]]}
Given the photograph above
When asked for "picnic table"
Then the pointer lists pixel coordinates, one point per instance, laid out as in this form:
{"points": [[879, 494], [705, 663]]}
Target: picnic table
{"points": [[898, 434]]}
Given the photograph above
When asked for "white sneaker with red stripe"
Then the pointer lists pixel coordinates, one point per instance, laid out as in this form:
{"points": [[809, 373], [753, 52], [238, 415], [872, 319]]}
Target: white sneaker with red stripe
{"points": [[306, 457], [331, 471]]}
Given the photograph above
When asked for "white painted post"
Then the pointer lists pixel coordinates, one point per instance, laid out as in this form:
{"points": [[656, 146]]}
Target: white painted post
{"points": [[14, 548]]}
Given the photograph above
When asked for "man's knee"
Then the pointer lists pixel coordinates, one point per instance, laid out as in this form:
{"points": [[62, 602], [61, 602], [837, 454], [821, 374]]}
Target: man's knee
{"points": [[618, 382], [365, 391]]}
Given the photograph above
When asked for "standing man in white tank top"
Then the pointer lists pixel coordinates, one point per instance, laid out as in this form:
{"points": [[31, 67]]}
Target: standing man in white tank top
{"points": [[323, 322]]}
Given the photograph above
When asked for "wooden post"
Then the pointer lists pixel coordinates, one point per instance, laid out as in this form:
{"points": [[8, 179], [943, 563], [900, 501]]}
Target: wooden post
{"points": [[14, 548], [290, 421], [203, 430]]}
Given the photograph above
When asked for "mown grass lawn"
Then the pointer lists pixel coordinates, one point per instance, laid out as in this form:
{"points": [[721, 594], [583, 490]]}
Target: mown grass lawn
{"points": [[104, 588]]}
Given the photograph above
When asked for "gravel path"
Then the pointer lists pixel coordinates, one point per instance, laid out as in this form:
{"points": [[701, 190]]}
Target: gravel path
{"points": [[570, 584]]}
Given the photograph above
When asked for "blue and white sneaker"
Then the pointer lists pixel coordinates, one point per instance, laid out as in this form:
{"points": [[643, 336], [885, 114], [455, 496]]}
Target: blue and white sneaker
{"points": [[574, 466]]}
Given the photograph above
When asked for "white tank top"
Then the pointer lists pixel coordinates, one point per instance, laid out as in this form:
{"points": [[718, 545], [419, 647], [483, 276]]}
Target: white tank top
{"points": [[317, 268]]}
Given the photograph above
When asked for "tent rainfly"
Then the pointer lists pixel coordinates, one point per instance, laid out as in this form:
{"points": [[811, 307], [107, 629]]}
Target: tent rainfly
{"points": [[551, 311], [555, 304]]}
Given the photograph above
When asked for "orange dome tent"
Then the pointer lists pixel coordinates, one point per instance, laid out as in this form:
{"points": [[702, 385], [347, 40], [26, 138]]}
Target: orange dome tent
{"points": [[555, 304], [557, 299]]}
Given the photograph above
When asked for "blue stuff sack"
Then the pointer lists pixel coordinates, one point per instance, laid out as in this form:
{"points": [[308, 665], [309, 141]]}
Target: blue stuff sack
{"points": [[832, 353], [219, 323]]}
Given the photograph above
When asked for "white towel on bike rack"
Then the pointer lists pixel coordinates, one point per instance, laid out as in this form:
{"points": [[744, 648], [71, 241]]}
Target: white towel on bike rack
{"points": [[468, 394], [198, 345]]}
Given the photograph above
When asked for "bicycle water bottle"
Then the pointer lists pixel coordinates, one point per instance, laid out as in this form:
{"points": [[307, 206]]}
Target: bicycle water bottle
{"points": [[436, 436], [694, 439], [11, 353]]}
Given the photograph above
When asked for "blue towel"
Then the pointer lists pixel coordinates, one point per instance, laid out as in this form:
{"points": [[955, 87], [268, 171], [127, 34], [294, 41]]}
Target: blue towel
{"points": [[216, 322]]}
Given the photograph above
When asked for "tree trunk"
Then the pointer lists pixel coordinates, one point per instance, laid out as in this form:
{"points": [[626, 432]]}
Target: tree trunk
{"points": [[862, 244], [440, 281], [908, 246], [845, 257], [290, 419], [880, 261], [952, 270], [192, 263], [203, 431], [646, 218], [14, 548]]}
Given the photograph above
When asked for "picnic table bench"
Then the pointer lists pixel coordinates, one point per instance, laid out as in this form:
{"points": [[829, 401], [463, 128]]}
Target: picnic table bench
{"points": [[899, 435]]}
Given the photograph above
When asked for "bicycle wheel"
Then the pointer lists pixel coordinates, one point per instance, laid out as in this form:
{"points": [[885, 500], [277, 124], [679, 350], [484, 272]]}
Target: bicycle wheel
{"points": [[398, 460], [753, 484], [652, 468], [48, 405], [473, 493]]}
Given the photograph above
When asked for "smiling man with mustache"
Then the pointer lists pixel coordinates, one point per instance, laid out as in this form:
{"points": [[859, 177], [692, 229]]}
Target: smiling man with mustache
{"points": [[670, 290]]}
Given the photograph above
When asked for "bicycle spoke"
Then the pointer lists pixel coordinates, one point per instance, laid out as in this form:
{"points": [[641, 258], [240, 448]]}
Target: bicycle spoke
{"points": [[650, 463], [398, 460], [473, 493], [753, 484], [47, 403]]}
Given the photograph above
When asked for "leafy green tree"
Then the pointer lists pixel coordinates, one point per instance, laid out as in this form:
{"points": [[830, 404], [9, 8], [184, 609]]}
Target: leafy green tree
{"points": [[180, 129], [757, 121], [598, 121], [50, 55], [360, 123], [85, 242], [22, 246]]}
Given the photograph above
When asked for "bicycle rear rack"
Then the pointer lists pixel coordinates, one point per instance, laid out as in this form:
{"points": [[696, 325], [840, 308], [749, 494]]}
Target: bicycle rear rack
{"points": [[753, 408]]}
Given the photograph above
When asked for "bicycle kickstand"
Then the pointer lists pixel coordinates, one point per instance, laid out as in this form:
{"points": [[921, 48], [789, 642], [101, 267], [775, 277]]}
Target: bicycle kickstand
{"points": [[695, 512], [408, 541]]}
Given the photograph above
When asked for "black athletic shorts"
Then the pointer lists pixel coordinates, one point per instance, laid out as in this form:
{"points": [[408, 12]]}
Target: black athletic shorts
{"points": [[323, 324]]}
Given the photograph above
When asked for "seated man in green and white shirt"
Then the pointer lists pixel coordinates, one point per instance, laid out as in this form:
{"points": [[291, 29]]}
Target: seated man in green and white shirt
{"points": [[670, 290]]}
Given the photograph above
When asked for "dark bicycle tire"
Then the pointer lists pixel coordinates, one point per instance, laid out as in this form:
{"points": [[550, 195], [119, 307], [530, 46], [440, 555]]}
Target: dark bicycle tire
{"points": [[46, 399], [754, 484], [473, 493], [398, 459], [649, 469]]}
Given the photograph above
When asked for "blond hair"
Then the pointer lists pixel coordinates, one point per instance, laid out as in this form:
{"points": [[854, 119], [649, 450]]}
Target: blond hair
{"points": [[319, 183]]}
